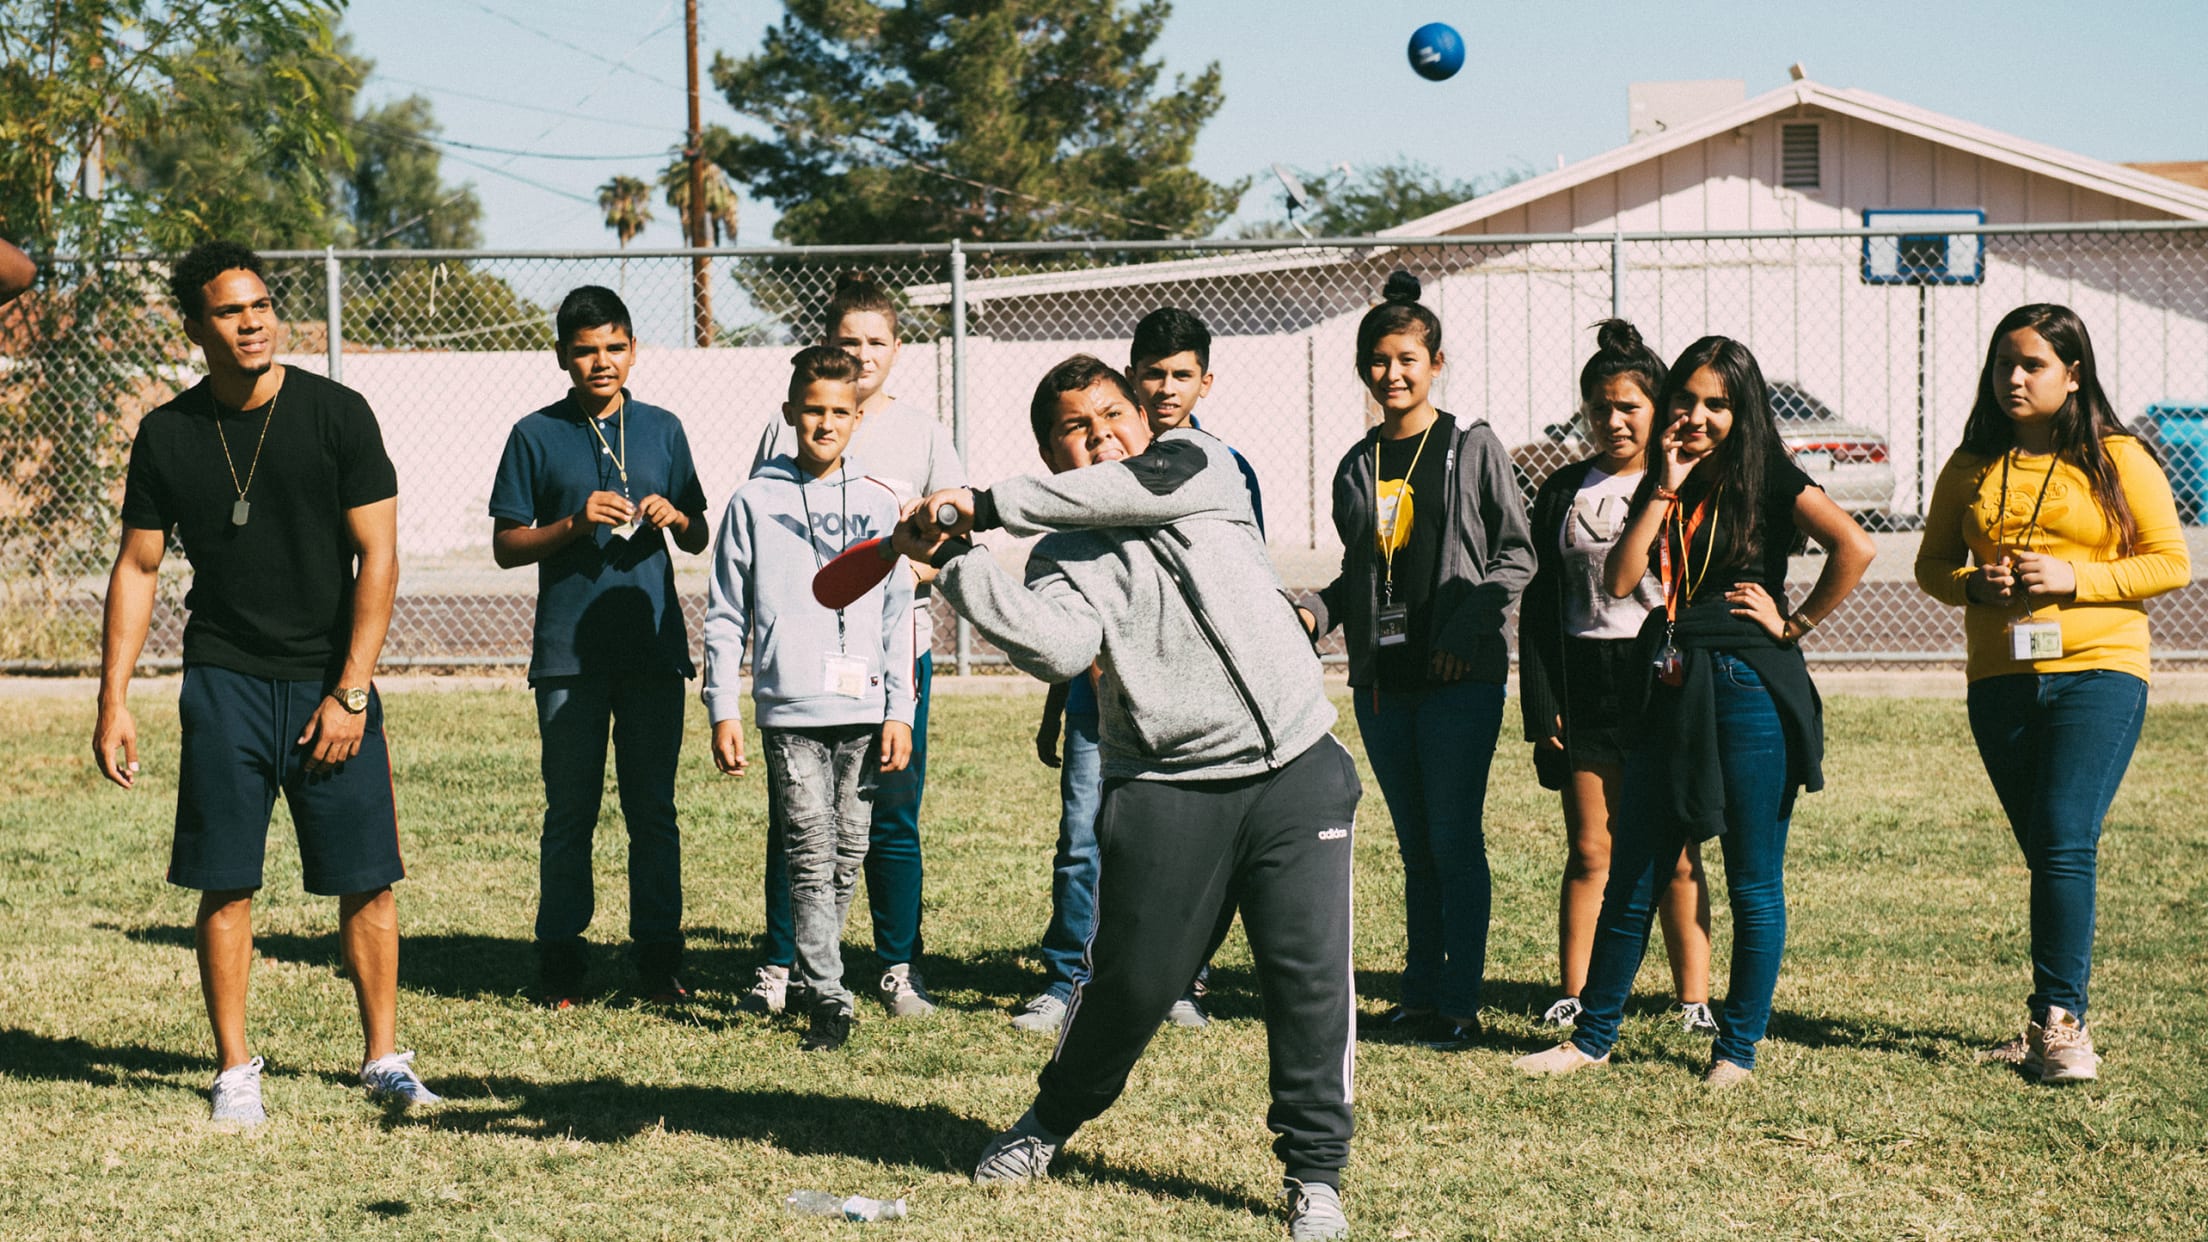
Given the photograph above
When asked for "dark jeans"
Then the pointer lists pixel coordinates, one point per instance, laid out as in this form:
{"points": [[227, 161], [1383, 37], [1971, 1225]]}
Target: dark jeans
{"points": [[1073, 870], [2056, 746], [1645, 845], [892, 855], [645, 715], [1430, 750]]}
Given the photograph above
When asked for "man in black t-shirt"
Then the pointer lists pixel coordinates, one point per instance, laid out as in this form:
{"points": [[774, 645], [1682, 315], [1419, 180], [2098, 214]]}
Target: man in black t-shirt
{"points": [[275, 481]]}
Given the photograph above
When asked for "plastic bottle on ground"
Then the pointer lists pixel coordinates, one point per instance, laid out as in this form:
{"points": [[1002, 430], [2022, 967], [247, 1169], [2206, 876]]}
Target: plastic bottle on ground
{"points": [[852, 1207]]}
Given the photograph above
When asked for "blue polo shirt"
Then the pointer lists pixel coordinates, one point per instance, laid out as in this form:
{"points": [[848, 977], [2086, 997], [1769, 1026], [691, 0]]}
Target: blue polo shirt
{"points": [[604, 604]]}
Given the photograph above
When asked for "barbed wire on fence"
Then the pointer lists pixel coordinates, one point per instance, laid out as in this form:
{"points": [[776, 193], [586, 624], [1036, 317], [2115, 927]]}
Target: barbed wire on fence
{"points": [[1874, 378]]}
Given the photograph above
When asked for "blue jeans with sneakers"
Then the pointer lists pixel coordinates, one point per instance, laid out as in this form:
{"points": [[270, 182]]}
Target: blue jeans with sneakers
{"points": [[1073, 870], [2056, 746], [1644, 847]]}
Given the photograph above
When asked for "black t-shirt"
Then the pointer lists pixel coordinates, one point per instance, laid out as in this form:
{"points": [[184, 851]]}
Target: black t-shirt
{"points": [[1776, 537], [271, 598], [1417, 563]]}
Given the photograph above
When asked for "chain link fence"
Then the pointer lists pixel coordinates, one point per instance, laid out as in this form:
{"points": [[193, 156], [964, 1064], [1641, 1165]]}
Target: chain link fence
{"points": [[1873, 340]]}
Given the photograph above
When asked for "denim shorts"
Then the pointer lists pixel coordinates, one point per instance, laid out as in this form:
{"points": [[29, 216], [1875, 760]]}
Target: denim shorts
{"points": [[241, 747]]}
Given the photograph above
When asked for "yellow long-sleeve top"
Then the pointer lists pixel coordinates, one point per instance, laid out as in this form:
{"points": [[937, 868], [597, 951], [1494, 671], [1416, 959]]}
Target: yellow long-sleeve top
{"points": [[2105, 625]]}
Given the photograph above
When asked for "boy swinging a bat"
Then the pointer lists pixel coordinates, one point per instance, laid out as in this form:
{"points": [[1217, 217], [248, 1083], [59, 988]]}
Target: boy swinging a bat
{"points": [[1223, 789]]}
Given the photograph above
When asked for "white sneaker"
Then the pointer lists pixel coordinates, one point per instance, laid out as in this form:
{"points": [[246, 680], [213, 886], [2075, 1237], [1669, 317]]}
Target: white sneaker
{"points": [[903, 993], [237, 1094], [2066, 1049], [1553, 1062], [1187, 1013], [392, 1080], [1695, 1018], [769, 993], [1020, 1154], [1314, 1211], [1563, 1013], [1046, 1012]]}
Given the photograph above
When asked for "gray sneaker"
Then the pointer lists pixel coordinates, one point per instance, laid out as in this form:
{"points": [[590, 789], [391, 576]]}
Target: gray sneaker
{"points": [[769, 993], [1046, 1012], [238, 1094], [2065, 1049], [904, 994], [392, 1080], [1020, 1154], [1187, 1013], [1314, 1211]]}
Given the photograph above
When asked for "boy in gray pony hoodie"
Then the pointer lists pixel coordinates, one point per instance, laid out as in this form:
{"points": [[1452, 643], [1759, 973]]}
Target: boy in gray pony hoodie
{"points": [[833, 687], [1224, 789]]}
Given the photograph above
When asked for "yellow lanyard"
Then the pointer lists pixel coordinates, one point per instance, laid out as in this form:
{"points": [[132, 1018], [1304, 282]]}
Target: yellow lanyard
{"points": [[620, 459], [1395, 516]]}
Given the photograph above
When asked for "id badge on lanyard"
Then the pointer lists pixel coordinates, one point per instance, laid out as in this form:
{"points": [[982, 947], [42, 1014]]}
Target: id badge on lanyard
{"points": [[1670, 664], [2029, 639]]}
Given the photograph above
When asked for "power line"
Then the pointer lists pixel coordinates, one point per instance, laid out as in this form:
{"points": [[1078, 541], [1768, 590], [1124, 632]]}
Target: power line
{"points": [[522, 107], [390, 132]]}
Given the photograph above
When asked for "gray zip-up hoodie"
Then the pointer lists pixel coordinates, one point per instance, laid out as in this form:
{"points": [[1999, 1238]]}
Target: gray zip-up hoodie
{"points": [[1485, 562], [779, 527], [1153, 569]]}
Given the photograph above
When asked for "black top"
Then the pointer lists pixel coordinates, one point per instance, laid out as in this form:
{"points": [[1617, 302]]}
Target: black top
{"points": [[1776, 536], [271, 598], [1423, 523]]}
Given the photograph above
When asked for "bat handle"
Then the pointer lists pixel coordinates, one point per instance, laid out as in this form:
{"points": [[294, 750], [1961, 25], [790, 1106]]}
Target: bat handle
{"points": [[946, 514]]}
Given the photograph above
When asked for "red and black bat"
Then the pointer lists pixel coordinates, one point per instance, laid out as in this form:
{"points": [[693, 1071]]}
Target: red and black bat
{"points": [[853, 573]]}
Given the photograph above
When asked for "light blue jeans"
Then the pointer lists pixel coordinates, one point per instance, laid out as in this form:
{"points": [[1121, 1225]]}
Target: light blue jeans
{"points": [[820, 801]]}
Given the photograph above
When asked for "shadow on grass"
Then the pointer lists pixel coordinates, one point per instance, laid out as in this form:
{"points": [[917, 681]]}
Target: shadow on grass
{"points": [[610, 1110], [1865, 1035], [29, 1055]]}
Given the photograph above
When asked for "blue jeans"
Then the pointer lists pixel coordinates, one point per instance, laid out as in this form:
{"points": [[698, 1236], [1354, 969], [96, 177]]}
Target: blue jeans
{"points": [[1073, 870], [1645, 845], [645, 715], [2056, 746], [1430, 750], [892, 854]]}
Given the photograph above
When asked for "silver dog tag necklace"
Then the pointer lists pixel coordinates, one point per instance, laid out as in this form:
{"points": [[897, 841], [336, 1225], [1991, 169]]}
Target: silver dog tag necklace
{"points": [[240, 511]]}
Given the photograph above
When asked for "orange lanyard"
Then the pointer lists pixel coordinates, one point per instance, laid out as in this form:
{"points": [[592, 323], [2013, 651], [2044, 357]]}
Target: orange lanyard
{"points": [[1686, 526]]}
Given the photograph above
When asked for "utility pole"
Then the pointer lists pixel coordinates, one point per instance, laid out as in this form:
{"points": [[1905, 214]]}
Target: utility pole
{"points": [[701, 276]]}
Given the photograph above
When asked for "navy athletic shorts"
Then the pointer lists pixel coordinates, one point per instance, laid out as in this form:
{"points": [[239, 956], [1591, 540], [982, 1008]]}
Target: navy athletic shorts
{"points": [[241, 745]]}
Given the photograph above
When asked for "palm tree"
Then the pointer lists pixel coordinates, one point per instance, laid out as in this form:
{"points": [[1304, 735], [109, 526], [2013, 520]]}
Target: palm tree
{"points": [[721, 203], [627, 202]]}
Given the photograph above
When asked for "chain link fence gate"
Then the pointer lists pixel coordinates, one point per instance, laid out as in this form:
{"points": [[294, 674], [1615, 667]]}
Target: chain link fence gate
{"points": [[1873, 340]]}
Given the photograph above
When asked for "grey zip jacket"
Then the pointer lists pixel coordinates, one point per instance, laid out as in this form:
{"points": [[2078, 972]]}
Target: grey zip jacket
{"points": [[1486, 560], [1153, 569]]}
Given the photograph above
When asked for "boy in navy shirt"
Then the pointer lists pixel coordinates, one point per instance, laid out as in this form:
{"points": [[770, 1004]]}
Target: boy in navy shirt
{"points": [[589, 491]]}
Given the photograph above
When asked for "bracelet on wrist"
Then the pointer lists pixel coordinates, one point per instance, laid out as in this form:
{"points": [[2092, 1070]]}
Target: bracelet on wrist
{"points": [[1665, 493]]}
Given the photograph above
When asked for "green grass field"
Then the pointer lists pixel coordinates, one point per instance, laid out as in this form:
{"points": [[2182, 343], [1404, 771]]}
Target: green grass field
{"points": [[1870, 1117]]}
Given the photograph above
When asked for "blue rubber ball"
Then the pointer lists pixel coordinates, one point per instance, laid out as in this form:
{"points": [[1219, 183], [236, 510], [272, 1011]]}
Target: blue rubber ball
{"points": [[1437, 51]]}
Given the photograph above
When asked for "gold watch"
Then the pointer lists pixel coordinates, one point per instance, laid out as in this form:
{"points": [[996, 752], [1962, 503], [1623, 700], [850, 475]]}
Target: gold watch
{"points": [[353, 699]]}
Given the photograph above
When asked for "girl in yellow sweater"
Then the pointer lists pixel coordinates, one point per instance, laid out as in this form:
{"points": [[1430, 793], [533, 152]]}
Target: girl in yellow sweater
{"points": [[2050, 526]]}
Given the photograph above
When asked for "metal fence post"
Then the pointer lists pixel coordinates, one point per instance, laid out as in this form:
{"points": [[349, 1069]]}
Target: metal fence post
{"points": [[334, 322], [958, 411], [1617, 275]]}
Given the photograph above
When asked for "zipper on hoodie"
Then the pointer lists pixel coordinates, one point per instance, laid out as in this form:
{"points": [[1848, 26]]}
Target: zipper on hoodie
{"points": [[1218, 647]]}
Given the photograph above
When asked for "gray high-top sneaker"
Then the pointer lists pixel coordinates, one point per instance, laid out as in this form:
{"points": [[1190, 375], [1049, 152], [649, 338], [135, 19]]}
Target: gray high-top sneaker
{"points": [[1020, 1154], [1314, 1211]]}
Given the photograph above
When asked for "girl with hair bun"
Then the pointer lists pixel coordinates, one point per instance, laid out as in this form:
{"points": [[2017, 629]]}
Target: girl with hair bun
{"points": [[1732, 727], [2049, 527], [1577, 673], [911, 451], [1434, 551]]}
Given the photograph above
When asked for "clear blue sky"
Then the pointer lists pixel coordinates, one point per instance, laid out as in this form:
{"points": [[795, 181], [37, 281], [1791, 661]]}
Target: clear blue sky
{"points": [[2119, 80]]}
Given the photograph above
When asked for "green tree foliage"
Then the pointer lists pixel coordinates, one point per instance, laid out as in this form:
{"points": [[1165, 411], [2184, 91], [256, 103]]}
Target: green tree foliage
{"points": [[997, 120], [1369, 198], [627, 202], [722, 205]]}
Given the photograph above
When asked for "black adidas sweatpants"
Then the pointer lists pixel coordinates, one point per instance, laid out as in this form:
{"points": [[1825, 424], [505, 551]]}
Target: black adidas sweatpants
{"points": [[1178, 858]]}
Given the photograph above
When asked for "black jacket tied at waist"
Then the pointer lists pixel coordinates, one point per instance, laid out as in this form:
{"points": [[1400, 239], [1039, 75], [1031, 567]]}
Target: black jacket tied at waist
{"points": [[1680, 722]]}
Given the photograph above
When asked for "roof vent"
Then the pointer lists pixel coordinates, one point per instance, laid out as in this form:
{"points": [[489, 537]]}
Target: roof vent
{"points": [[1801, 157]]}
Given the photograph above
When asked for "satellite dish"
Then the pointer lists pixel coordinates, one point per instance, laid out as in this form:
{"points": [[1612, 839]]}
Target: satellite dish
{"points": [[1299, 199]]}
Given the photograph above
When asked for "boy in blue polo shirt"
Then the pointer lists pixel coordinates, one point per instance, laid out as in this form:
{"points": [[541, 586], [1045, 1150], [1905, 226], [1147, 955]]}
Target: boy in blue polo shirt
{"points": [[589, 490]]}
